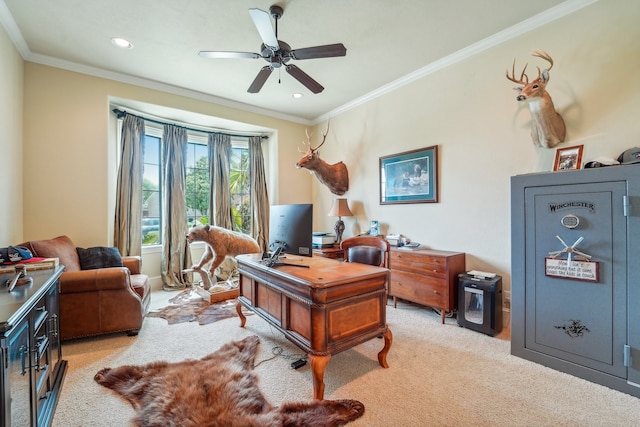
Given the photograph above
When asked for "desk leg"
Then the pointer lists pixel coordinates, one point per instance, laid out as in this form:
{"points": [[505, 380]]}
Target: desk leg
{"points": [[318, 364], [382, 356], [243, 319], [444, 313]]}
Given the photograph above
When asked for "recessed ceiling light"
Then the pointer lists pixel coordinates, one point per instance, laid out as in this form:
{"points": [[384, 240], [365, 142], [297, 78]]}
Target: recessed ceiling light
{"points": [[125, 44], [296, 95]]}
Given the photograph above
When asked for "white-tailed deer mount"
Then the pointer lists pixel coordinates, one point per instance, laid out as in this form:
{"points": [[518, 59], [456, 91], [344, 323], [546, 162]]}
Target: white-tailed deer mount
{"points": [[547, 125], [335, 177]]}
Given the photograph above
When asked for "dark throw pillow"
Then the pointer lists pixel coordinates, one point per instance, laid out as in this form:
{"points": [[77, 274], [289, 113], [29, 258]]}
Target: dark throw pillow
{"points": [[99, 257]]}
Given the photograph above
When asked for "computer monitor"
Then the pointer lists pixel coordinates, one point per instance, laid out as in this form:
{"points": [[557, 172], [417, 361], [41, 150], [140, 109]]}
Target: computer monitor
{"points": [[291, 227]]}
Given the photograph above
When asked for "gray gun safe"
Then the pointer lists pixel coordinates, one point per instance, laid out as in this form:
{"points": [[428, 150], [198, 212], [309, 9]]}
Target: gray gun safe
{"points": [[575, 267]]}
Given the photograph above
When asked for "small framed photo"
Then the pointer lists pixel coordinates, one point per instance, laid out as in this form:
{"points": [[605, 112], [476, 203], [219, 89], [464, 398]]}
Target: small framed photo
{"points": [[409, 177], [374, 228], [568, 158]]}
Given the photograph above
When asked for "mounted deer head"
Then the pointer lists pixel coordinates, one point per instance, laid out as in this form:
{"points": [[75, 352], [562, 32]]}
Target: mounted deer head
{"points": [[547, 126], [335, 177]]}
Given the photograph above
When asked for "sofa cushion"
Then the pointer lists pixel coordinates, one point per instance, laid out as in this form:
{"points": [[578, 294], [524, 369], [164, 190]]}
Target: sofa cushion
{"points": [[61, 247], [99, 257]]}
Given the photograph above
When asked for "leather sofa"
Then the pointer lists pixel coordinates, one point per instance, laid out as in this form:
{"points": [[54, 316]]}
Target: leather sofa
{"points": [[99, 300]]}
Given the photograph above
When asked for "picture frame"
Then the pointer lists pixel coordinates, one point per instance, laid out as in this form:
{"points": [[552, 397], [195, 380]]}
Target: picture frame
{"points": [[374, 228], [568, 158], [409, 177]]}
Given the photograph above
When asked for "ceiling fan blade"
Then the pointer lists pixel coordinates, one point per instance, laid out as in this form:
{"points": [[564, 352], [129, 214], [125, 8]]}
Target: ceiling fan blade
{"points": [[304, 78], [262, 21], [228, 55], [260, 79], [326, 51]]}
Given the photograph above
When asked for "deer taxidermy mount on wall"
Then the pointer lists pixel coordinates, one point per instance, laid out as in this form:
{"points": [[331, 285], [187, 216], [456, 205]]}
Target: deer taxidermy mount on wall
{"points": [[547, 125], [335, 177]]}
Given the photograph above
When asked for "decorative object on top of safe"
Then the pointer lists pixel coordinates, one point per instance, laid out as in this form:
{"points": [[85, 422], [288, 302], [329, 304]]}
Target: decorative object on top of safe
{"points": [[630, 156], [568, 158]]}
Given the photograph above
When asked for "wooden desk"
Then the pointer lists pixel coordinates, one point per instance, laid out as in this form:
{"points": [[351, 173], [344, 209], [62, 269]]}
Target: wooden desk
{"points": [[322, 309]]}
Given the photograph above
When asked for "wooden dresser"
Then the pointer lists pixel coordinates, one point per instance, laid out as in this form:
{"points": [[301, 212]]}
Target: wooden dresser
{"points": [[427, 277], [32, 368]]}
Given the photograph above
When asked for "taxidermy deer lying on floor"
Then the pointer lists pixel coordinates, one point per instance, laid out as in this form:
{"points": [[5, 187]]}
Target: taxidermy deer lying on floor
{"points": [[547, 126], [335, 177]]}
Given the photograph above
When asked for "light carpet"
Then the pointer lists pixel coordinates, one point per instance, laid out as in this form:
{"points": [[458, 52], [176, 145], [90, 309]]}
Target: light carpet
{"points": [[439, 375]]}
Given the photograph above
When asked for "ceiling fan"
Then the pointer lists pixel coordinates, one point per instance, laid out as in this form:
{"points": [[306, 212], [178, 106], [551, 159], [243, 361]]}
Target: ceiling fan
{"points": [[278, 53]]}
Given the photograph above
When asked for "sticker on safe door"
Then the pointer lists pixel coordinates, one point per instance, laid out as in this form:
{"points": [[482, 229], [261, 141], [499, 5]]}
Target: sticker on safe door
{"points": [[571, 269]]}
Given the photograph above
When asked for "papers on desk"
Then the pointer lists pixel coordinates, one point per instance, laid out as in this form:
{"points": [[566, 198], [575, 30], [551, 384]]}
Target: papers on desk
{"points": [[412, 246]]}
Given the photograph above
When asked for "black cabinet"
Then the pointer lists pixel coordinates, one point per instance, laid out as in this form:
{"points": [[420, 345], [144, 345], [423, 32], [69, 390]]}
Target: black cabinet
{"points": [[32, 368], [575, 280]]}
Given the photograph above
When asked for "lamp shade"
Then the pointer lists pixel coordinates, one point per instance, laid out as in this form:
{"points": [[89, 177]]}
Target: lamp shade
{"points": [[340, 208]]}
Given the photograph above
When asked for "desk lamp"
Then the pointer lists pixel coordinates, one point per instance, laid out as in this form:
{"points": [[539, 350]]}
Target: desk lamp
{"points": [[339, 208]]}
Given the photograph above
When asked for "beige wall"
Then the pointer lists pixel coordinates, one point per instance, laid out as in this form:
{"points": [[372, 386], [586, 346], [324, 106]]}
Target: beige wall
{"points": [[70, 150], [11, 193], [468, 110]]}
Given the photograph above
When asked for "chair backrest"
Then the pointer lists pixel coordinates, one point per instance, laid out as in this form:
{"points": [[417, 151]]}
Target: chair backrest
{"points": [[366, 250]]}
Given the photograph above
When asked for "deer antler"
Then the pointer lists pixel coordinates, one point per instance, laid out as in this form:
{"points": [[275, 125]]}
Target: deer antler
{"points": [[513, 74], [324, 137], [306, 131], [544, 55]]}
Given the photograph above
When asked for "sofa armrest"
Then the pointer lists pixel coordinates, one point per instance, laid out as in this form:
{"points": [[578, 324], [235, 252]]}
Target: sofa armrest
{"points": [[133, 263], [95, 280]]}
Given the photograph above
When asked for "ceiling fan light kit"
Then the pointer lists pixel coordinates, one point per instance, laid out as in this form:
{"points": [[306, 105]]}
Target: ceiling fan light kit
{"points": [[278, 53]]}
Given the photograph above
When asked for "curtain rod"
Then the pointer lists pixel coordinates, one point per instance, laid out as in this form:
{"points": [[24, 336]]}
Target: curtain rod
{"points": [[120, 114]]}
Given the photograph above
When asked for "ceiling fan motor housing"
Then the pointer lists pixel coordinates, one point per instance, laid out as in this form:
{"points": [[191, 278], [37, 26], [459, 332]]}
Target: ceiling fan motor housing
{"points": [[277, 58], [276, 12]]}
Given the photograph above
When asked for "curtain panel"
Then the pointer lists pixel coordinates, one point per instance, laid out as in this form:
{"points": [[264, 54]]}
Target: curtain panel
{"points": [[220, 214], [128, 215], [175, 254], [259, 195]]}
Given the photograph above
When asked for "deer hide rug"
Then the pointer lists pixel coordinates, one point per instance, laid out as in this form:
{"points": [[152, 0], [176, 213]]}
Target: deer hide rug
{"points": [[218, 390]]}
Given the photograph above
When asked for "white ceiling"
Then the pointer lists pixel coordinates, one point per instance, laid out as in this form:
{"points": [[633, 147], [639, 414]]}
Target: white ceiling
{"points": [[388, 43]]}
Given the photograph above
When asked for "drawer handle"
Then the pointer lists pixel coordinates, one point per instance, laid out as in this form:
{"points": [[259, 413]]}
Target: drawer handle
{"points": [[23, 359]]}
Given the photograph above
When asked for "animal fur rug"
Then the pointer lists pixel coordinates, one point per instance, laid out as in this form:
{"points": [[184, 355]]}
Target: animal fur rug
{"points": [[218, 390], [188, 306]]}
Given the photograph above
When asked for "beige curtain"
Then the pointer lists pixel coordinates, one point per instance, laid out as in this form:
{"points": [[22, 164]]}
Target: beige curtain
{"points": [[127, 236], [219, 194], [259, 196], [175, 255]]}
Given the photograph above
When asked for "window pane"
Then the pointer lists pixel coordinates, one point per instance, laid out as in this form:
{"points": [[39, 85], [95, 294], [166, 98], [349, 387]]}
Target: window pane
{"points": [[239, 186], [151, 201], [197, 184]]}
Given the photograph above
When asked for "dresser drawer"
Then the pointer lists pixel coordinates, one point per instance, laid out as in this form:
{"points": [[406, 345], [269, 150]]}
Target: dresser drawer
{"points": [[418, 263], [418, 288]]}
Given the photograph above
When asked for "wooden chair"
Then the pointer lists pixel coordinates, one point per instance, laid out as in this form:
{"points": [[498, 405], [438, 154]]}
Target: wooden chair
{"points": [[366, 250]]}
